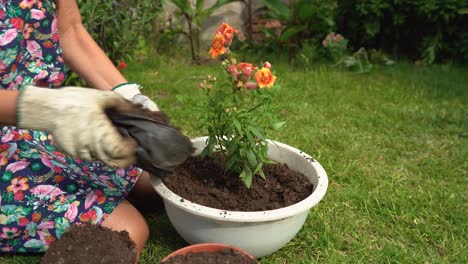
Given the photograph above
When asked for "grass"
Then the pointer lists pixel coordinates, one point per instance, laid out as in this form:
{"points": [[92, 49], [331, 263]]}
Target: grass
{"points": [[394, 145]]}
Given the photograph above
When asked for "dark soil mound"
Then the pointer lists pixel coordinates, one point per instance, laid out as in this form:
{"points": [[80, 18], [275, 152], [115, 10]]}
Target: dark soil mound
{"points": [[225, 256], [91, 244], [203, 181]]}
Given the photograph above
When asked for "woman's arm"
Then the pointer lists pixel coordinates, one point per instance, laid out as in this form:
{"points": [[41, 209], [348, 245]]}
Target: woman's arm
{"points": [[8, 107], [81, 53]]}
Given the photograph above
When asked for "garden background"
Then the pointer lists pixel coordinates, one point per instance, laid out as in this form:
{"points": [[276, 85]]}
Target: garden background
{"points": [[375, 90]]}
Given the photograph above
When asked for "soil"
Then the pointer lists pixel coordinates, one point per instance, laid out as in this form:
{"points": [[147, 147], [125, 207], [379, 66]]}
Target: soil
{"points": [[225, 256], [202, 181], [91, 244]]}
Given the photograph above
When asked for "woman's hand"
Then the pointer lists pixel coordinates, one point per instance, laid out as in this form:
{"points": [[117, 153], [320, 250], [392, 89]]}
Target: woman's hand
{"points": [[131, 92], [77, 120]]}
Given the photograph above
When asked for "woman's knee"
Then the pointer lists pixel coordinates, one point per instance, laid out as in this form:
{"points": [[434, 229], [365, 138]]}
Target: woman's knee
{"points": [[126, 217]]}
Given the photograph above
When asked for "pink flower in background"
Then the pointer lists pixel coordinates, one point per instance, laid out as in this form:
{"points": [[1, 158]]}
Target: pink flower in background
{"points": [[233, 71], [338, 37], [251, 85], [267, 65], [247, 69], [325, 43]]}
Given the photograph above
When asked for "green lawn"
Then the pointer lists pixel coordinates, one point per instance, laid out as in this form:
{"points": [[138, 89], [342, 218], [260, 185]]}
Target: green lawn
{"points": [[394, 145]]}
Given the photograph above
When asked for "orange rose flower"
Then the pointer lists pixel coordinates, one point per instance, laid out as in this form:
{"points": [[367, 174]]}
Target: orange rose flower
{"points": [[217, 48], [227, 31], [264, 78]]}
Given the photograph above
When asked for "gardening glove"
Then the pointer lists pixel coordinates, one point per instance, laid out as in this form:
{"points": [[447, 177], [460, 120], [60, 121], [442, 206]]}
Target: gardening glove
{"points": [[76, 118], [131, 92]]}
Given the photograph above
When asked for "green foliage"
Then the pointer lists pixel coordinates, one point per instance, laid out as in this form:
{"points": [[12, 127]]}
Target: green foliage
{"points": [[336, 46], [307, 55], [301, 20], [194, 12], [117, 26], [429, 29]]}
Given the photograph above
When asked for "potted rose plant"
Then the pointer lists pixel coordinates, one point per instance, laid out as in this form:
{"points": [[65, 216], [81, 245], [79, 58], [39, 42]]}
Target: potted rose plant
{"points": [[240, 188]]}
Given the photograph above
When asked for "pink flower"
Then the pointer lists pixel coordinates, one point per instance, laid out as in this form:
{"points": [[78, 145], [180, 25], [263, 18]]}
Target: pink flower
{"points": [[202, 85], [41, 75], [246, 69], [325, 43], [338, 37], [233, 71], [72, 211], [34, 49], [9, 233], [37, 14], [8, 36], [267, 65], [46, 190], [2, 65], [2, 14], [19, 196], [251, 86]]}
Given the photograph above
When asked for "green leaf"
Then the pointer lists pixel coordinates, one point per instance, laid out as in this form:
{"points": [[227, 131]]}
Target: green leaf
{"points": [[184, 6], [463, 11], [238, 126], [252, 158], [232, 159], [292, 31], [246, 176], [306, 10], [233, 145], [250, 138], [257, 133], [279, 125], [279, 8], [199, 5], [262, 174], [209, 147]]}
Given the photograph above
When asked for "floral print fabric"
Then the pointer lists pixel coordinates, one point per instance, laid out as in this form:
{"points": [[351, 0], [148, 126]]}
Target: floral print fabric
{"points": [[43, 191]]}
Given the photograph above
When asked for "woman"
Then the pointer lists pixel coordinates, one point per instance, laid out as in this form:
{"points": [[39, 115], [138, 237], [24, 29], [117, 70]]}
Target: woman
{"points": [[45, 188]]}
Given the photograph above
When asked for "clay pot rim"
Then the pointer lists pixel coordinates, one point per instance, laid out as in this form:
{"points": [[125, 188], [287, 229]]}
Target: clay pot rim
{"points": [[256, 216], [206, 247]]}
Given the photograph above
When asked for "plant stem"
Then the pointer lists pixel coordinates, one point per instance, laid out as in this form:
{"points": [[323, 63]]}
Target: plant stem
{"points": [[190, 35]]}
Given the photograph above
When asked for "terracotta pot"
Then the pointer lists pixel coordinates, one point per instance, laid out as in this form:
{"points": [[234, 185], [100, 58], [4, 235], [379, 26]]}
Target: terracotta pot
{"points": [[261, 232], [206, 247]]}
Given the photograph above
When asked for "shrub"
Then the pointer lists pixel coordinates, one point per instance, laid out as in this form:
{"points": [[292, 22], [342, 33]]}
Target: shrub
{"points": [[433, 29], [300, 20], [117, 26]]}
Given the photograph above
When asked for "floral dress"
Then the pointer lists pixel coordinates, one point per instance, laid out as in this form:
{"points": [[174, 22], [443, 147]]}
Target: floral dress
{"points": [[43, 191]]}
